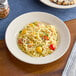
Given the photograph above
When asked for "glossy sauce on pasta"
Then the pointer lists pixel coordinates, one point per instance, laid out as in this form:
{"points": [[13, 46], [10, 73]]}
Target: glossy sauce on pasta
{"points": [[38, 39]]}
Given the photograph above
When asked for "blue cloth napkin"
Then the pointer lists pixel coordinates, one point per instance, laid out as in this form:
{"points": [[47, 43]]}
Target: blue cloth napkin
{"points": [[18, 7]]}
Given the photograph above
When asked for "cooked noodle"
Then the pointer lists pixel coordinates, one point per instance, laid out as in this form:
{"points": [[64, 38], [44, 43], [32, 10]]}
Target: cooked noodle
{"points": [[38, 39]]}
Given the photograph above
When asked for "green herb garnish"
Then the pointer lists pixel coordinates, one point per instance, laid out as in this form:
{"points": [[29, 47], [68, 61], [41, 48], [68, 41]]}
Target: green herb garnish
{"points": [[45, 34], [20, 31]]}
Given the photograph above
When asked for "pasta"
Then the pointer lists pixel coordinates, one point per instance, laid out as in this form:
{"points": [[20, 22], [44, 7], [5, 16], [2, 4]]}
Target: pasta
{"points": [[38, 39]]}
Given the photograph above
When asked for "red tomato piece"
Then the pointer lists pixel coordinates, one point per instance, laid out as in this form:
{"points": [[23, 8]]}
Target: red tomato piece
{"points": [[38, 25], [20, 41], [46, 38], [52, 47]]}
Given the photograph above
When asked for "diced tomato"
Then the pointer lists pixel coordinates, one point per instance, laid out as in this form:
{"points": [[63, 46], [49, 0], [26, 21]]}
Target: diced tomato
{"points": [[46, 37], [52, 47], [38, 25], [19, 41]]}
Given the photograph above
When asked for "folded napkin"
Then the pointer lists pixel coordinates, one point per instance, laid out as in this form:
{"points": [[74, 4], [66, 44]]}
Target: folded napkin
{"points": [[70, 68]]}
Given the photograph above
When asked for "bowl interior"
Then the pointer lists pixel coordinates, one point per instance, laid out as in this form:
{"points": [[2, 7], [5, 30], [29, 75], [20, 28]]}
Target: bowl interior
{"points": [[17, 24]]}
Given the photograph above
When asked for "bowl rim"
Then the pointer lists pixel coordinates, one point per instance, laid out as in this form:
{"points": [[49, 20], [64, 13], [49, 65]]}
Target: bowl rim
{"points": [[58, 6], [38, 63]]}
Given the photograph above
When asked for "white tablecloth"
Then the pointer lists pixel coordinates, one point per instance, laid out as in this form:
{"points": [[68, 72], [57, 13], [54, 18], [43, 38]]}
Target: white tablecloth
{"points": [[70, 68]]}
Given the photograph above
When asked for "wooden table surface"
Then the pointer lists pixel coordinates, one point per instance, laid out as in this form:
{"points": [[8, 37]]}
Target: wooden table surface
{"points": [[10, 66]]}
